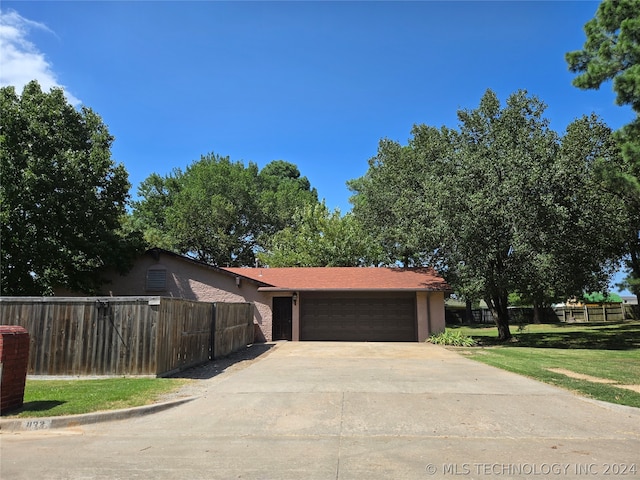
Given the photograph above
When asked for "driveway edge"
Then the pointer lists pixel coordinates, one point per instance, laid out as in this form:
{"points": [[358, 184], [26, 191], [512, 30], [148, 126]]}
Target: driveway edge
{"points": [[46, 423]]}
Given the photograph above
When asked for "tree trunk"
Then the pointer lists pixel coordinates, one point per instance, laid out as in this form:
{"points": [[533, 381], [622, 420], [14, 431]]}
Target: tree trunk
{"points": [[537, 309], [634, 264], [498, 306], [504, 333], [468, 312]]}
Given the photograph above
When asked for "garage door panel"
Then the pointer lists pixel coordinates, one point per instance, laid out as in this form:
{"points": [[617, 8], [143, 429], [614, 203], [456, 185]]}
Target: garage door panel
{"points": [[358, 317]]}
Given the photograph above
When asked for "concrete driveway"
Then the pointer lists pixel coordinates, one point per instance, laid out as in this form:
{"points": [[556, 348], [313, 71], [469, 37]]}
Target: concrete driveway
{"points": [[348, 411]]}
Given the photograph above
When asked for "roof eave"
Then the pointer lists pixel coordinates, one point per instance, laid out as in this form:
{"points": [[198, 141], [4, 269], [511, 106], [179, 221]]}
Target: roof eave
{"points": [[156, 251], [297, 289]]}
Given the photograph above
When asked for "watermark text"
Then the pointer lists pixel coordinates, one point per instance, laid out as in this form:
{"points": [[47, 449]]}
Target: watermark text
{"points": [[532, 469]]}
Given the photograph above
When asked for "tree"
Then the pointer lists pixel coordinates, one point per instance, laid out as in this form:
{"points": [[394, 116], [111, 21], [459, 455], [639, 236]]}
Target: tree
{"points": [[389, 200], [320, 238], [282, 192], [148, 218], [612, 52], [582, 250], [494, 191], [214, 211], [220, 211], [62, 197], [491, 204]]}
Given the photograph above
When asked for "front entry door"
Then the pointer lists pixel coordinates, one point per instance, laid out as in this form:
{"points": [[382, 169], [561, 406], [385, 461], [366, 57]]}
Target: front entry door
{"points": [[282, 316]]}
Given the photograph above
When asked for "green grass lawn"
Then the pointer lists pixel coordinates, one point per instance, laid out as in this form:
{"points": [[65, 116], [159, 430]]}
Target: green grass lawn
{"points": [[44, 398], [604, 351]]}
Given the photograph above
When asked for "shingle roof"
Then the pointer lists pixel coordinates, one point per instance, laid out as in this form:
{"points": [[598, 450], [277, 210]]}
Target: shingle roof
{"points": [[344, 278]]}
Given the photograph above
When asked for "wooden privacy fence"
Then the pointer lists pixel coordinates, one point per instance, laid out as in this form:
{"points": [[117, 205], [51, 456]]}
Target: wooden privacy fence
{"points": [[612, 312], [458, 315], [233, 327], [126, 335]]}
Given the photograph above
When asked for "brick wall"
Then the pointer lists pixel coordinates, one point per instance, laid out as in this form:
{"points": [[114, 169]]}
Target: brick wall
{"points": [[14, 358], [191, 281]]}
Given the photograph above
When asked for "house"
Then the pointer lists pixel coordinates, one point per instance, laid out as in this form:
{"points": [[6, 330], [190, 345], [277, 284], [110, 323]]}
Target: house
{"points": [[317, 303]]}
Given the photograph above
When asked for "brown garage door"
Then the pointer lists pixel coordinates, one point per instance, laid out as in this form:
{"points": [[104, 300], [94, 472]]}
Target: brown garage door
{"points": [[367, 317]]}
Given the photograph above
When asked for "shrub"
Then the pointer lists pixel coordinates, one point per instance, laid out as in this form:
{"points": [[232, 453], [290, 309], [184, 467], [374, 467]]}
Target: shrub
{"points": [[452, 337]]}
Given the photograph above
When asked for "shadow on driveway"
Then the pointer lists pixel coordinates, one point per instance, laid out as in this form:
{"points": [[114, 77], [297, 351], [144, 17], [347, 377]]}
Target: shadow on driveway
{"points": [[219, 365]]}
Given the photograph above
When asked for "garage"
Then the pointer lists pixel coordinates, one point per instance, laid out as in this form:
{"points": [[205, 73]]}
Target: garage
{"points": [[357, 304], [358, 316]]}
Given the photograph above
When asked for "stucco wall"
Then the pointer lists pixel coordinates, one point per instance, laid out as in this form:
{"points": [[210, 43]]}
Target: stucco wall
{"points": [[422, 315], [436, 312], [429, 314], [194, 282]]}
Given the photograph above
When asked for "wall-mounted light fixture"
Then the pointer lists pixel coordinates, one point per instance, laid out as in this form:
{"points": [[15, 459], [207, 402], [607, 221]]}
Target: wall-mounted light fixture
{"points": [[238, 282], [294, 297]]}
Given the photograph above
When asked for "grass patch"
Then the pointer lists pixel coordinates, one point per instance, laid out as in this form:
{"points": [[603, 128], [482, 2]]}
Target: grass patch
{"points": [[600, 336], [605, 351], [48, 398], [621, 367]]}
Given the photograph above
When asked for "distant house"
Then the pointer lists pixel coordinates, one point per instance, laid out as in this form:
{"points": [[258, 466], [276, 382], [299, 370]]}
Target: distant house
{"points": [[595, 299], [321, 303]]}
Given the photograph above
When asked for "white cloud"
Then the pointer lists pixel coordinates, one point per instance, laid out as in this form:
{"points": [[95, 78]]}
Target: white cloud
{"points": [[20, 60]]}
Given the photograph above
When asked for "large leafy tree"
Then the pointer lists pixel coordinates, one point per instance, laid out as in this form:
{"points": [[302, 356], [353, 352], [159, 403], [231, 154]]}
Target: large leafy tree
{"points": [[213, 212], [220, 211], [321, 238], [494, 187], [282, 192], [61, 195], [149, 215], [581, 250], [500, 205], [390, 198], [612, 52]]}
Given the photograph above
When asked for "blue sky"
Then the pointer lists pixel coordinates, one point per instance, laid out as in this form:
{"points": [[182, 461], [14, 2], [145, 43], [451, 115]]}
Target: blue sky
{"points": [[317, 84]]}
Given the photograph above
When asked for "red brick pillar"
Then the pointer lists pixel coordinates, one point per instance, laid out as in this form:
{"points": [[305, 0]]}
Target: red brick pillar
{"points": [[14, 360]]}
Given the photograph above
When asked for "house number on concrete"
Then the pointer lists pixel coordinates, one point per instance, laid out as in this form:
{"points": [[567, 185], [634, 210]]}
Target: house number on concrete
{"points": [[37, 424]]}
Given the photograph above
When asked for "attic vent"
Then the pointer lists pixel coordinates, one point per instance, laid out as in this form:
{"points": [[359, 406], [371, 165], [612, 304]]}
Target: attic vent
{"points": [[157, 279]]}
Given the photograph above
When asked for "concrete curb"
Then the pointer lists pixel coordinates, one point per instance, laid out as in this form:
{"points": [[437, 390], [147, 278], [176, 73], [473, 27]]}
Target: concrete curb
{"points": [[46, 423], [615, 407]]}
